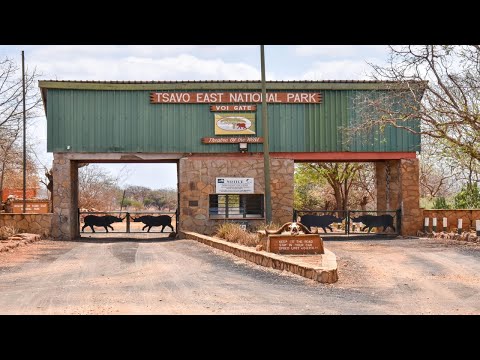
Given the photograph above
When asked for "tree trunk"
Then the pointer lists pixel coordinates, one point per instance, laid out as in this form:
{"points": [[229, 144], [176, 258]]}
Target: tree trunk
{"points": [[363, 204], [338, 195]]}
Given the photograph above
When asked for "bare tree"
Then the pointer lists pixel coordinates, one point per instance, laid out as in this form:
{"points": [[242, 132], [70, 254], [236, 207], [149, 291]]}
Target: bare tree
{"points": [[438, 85], [11, 117], [11, 167], [48, 182], [439, 174], [98, 189], [363, 190]]}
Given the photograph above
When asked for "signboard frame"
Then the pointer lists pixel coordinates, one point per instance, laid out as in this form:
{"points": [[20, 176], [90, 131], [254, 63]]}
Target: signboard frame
{"points": [[235, 123], [234, 185]]}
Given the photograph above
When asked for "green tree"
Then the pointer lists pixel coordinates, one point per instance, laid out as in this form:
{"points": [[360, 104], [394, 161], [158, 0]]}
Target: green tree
{"points": [[161, 199], [124, 203], [137, 192], [155, 199], [337, 185], [468, 197], [440, 203], [308, 193]]}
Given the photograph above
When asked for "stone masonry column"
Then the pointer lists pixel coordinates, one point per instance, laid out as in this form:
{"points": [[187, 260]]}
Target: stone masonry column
{"points": [[381, 185], [282, 189], [65, 198], [197, 181], [398, 188], [388, 185], [410, 186]]}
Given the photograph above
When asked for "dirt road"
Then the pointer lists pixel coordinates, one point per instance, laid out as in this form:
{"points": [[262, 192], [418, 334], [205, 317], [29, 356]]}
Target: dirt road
{"points": [[185, 277]]}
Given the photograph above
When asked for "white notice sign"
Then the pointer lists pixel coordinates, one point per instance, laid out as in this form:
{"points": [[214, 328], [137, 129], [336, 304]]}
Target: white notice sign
{"points": [[228, 185]]}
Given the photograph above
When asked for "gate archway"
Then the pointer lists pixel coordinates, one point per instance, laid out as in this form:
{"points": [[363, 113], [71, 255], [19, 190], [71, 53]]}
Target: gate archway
{"points": [[201, 124]]}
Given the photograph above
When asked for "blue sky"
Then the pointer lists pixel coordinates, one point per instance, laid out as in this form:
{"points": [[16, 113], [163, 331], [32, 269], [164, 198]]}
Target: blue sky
{"points": [[187, 62]]}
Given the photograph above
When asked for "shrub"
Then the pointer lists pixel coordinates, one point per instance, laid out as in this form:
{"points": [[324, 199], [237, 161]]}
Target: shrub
{"points": [[270, 226], [7, 231], [224, 229], [249, 239], [468, 197], [232, 232], [440, 203]]}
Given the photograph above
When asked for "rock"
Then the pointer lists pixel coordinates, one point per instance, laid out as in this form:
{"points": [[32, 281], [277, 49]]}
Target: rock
{"points": [[472, 237]]}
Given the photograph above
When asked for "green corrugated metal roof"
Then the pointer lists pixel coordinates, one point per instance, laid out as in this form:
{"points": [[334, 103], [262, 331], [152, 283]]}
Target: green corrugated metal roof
{"points": [[124, 120]]}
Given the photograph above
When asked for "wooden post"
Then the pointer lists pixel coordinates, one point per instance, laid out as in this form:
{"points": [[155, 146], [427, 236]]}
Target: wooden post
{"points": [[266, 149], [24, 139]]}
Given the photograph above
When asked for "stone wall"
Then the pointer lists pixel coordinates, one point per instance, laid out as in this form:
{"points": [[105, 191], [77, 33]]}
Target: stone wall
{"points": [[65, 198], [322, 268], [30, 223], [197, 181], [398, 187], [468, 217]]}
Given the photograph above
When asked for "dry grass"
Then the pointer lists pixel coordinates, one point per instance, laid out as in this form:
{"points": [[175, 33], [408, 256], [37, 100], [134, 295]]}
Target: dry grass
{"points": [[7, 231], [270, 226], [232, 232]]}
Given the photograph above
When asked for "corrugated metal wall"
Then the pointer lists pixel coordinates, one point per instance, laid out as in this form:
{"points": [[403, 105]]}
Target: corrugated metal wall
{"points": [[126, 121]]}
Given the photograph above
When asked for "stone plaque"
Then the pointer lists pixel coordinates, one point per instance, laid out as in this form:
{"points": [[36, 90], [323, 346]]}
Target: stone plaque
{"points": [[297, 244]]}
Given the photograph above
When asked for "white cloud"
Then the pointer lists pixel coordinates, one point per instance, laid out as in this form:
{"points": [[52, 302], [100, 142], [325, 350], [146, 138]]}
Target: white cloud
{"points": [[337, 70], [184, 67], [335, 51], [180, 67], [112, 52]]}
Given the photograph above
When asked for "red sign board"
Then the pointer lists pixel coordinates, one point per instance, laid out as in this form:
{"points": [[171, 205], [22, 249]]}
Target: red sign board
{"points": [[18, 193], [292, 97], [37, 207], [232, 140], [233, 107]]}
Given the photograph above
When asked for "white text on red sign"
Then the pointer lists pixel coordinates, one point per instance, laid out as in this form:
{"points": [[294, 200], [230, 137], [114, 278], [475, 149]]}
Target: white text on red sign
{"points": [[234, 97]]}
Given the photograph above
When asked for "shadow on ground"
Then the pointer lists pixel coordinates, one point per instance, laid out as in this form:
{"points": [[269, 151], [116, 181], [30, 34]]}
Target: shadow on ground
{"points": [[112, 238]]}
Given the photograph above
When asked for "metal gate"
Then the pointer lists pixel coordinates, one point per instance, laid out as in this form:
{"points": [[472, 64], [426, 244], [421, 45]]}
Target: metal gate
{"points": [[348, 227], [128, 223]]}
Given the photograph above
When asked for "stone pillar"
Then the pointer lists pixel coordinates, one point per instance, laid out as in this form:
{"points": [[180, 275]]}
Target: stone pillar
{"points": [[197, 182], [398, 188], [282, 189], [410, 185], [381, 185], [65, 198], [388, 185]]}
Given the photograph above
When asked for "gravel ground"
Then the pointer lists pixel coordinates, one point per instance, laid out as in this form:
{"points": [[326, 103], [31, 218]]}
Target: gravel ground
{"points": [[161, 276]]}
